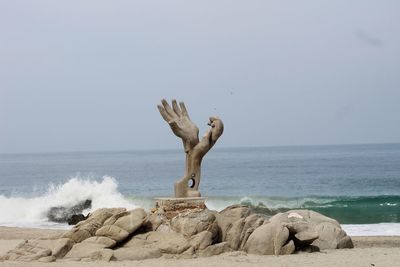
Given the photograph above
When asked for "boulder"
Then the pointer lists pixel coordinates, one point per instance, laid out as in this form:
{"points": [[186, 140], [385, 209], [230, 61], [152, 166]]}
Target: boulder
{"points": [[201, 240], [250, 224], [88, 227], [84, 250], [112, 231], [268, 239], [47, 259], [136, 253], [191, 223], [64, 214], [132, 221], [31, 250], [228, 216], [214, 250], [234, 234], [287, 249], [312, 228], [102, 241], [102, 255]]}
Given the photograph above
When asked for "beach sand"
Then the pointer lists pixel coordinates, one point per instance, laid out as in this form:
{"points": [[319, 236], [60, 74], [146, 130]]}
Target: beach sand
{"points": [[368, 251]]}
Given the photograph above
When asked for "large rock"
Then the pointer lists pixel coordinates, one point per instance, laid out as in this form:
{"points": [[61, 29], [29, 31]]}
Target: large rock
{"points": [[312, 228], [84, 250], [214, 250], [201, 240], [136, 253], [170, 243], [191, 223], [112, 231], [132, 221], [234, 234], [102, 241], [28, 251], [31, 250], [250, 224], [227, 217], [88, 227], [268, 239]]}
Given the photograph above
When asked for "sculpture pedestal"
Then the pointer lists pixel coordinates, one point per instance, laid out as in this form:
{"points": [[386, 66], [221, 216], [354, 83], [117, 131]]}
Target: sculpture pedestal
{"points": [[173, 206]]}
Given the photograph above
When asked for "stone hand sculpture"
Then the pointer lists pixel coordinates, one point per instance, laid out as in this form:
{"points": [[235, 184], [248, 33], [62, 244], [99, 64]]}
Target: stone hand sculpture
{"points": [[178, 119]]}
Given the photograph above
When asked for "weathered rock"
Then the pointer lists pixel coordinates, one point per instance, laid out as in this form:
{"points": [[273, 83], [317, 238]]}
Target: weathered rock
{"points": [[115, 217], [35, 249], [191, 223], [152, 221], [234, 234], [214, 250], [305, 225], [306, 237], [112, 231], [132, 221], [64, 214], [136, 253], [250, 224], [76, 218], [83, 250], [268, 239], [287, 249], [228, 216], [88, 227], [102, 255], [171, 243], [77, 235], [201, 240], [47, 259], [103, 241], [61, 247]]}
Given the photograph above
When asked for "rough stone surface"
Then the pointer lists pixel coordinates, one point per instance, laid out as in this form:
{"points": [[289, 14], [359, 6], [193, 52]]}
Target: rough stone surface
{"points": [[215, 250], [102, 255], [132, 221], [189, 234], [268, 239], [228, 216], [201, 240], [114, 232], [234, 234], [83, 250], [287, 249], [103, 241], [305, 225], [135, 253], [192, 223], [47, 259]]}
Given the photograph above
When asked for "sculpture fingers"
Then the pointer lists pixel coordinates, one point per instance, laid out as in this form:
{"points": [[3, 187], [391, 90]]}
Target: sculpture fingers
{"points": [[176, 108], [217, 128], [184, 110], [168, 109], [164, 113]]}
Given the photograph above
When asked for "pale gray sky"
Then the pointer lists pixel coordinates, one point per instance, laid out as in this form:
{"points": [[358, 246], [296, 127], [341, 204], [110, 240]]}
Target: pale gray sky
{"points": [[87, 75]]}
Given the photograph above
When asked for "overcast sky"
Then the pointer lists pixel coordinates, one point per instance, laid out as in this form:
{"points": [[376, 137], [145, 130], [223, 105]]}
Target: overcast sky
{"points": [[87, 75]]}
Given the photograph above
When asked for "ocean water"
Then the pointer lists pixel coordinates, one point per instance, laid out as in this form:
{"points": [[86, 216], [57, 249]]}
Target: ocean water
{"points": [[359, 185]]}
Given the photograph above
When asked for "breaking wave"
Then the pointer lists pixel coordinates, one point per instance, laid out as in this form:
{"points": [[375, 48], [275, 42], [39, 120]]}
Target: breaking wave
{"points": [[32, 211]]}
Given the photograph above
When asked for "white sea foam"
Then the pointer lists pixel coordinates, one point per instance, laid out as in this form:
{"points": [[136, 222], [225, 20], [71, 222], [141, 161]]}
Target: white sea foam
{"points": [[379, 229], [31, 212]]}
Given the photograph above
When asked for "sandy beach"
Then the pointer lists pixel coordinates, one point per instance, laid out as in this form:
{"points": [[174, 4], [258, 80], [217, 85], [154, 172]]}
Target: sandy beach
{"points": [[368, 251]]}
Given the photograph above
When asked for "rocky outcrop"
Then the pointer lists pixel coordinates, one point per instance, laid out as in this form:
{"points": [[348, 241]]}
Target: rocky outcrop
{"points": [[118, 234], [310, 228]]}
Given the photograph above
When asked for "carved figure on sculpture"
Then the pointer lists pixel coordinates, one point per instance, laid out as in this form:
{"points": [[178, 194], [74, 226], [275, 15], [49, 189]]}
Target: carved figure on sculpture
{"points": [[178, 119]]}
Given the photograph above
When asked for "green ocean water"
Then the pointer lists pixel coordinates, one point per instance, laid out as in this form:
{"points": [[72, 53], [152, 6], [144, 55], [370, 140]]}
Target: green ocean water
{"points": [[355, 184]]}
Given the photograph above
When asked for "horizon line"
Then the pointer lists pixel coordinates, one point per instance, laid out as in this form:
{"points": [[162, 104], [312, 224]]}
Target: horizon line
{"points": [[176, 149]]}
